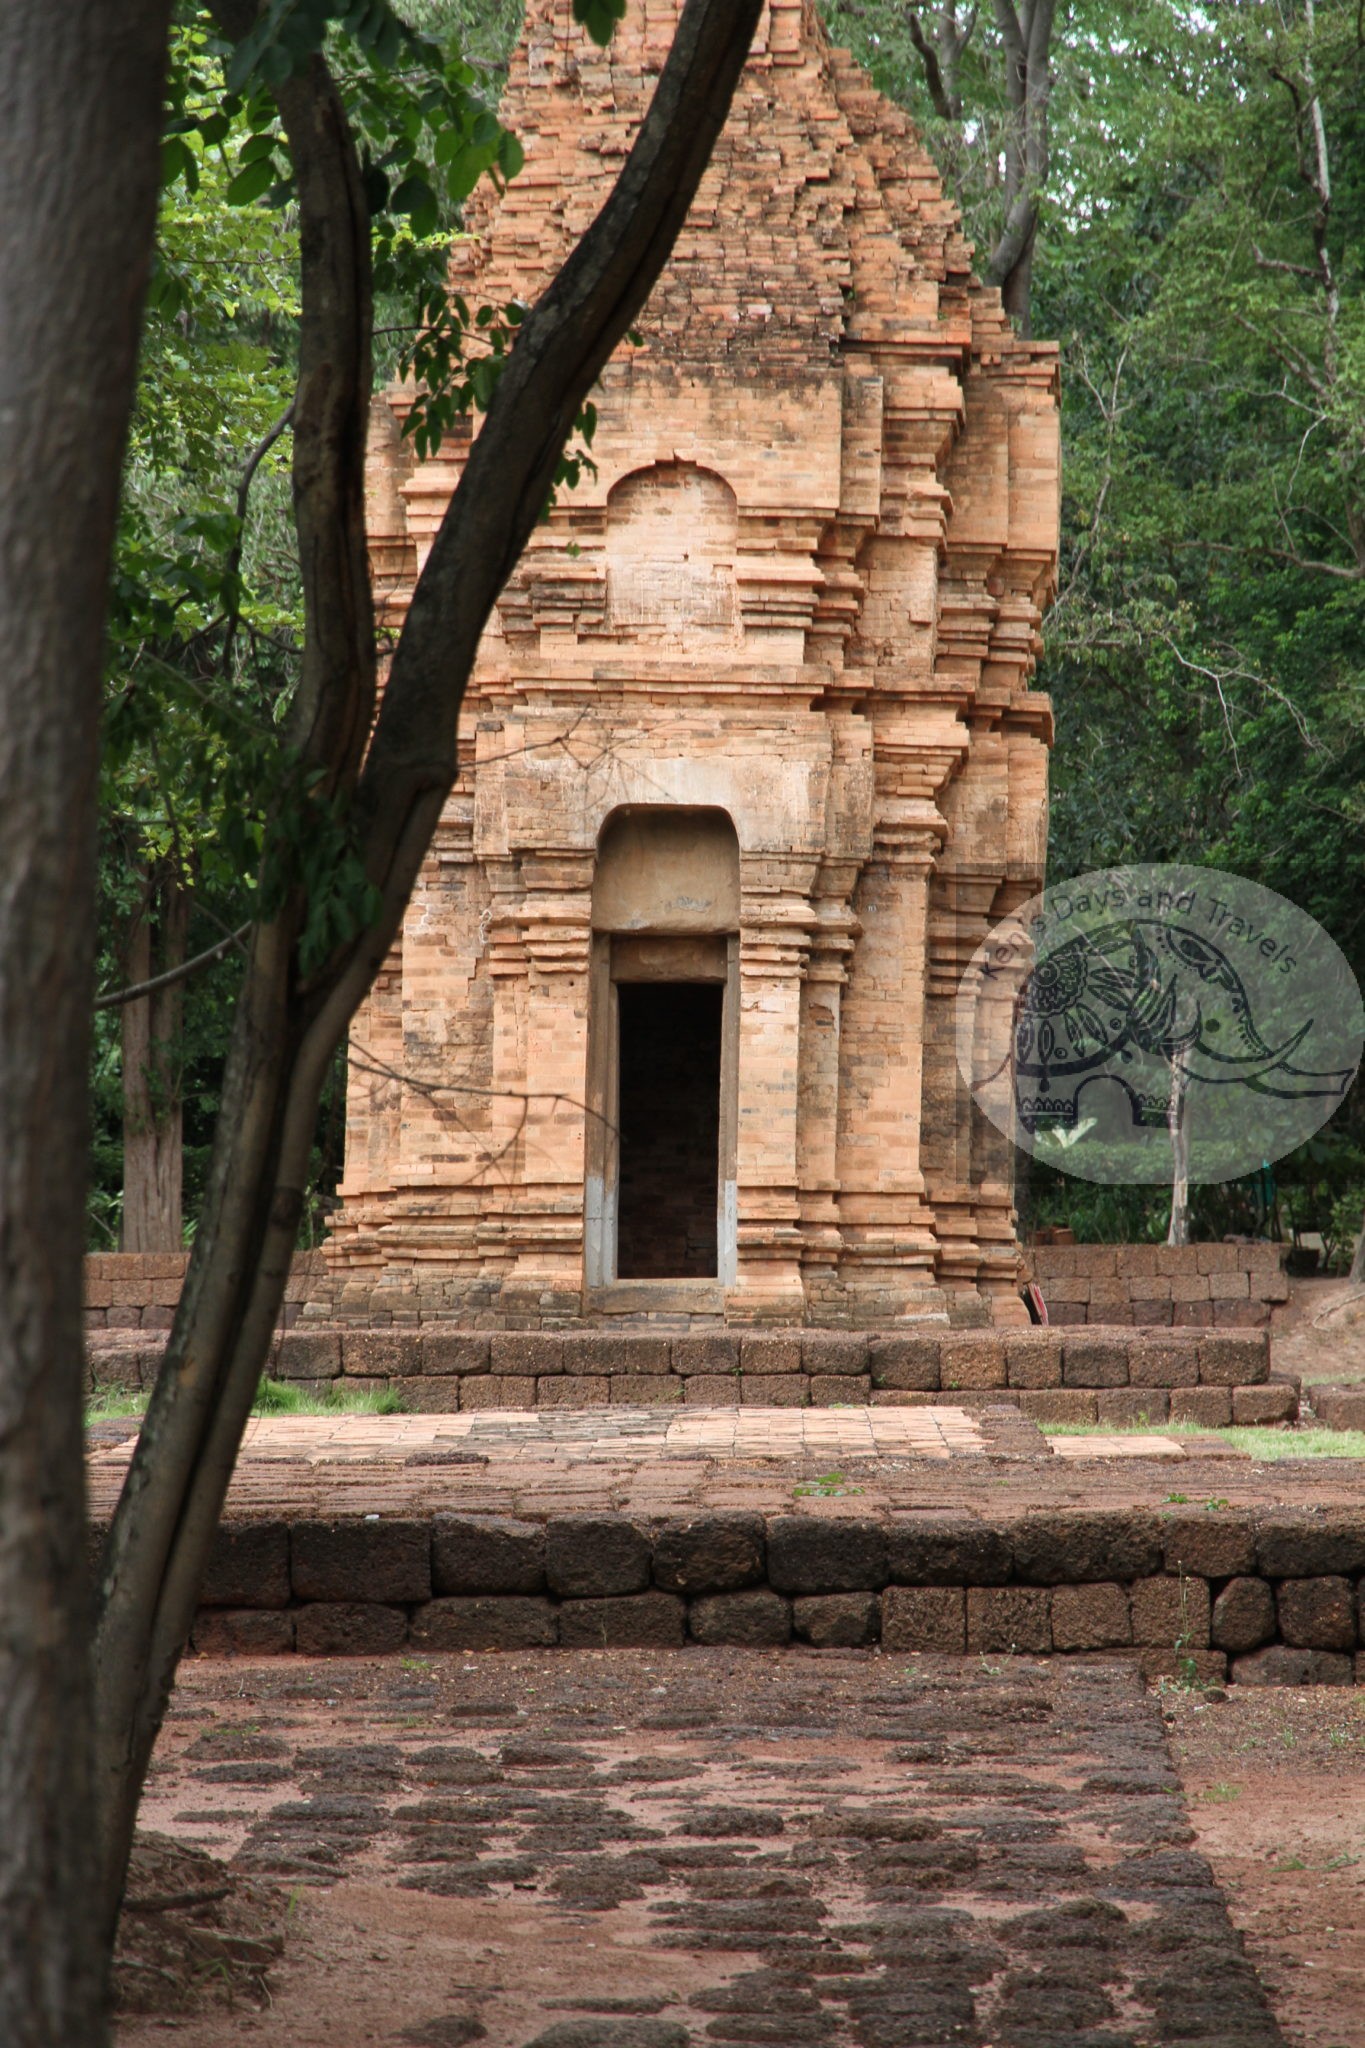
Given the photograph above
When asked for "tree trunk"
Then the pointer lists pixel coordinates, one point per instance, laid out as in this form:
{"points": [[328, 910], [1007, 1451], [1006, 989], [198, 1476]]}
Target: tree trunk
{"points": [[288, 1026], [79, 132], [153, 1100], [1178, 1124]]}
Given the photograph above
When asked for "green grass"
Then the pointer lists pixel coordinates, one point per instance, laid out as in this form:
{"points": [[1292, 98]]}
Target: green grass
{"points": [[273, 1397], [1264, 1445]]}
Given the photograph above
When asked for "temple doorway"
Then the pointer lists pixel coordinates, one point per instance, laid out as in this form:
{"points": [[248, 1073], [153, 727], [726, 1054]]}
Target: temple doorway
{"points": [[668, 1124]]}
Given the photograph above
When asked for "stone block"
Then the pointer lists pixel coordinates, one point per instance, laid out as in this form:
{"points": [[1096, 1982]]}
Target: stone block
{"points": [[1066, 1314], [526, 1354], [496, 1390], [946, 1549], [305, 1355], [1094, 1361], [1154, 1362], [926, 1618], [714, 1390], [644, 1389], [1229, 1287], [601, 1351], [1304, 1543], [1068, 1546], [367, 1354], [573, 1390], [1243, 1616], [429, 1395], [908, 1363], [1192, 1315], [1187, 1287], [837, 1621], [1005, 1618], [633, 1621], [709, 1553], [1278, 1664], [830, 1390], [1208, 1543], [248, 1566], [901, 1397], [1239, 1315], [1132, 1407], [1208, 1407], [709, 1352], [1058, 1404], [487, 1554], [1033, 1359], [360, 1562], [595, 1556], [243, 1632], [754, 1620], [1170, 1612], [770, 1353], [446, 1352], [768, 1390], [1339, 1407], [349, 1628], [485, 1622], [971, 1361], [1264, 1406], [1183, 1667], [1317, 1614], [1234, 1360], [815, 1554], [1151, 1312], [837, 1352], [1091, 1617]]}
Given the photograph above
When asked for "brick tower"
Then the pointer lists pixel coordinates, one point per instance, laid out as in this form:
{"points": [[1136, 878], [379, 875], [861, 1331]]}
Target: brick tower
{"points": [[750, 758]]}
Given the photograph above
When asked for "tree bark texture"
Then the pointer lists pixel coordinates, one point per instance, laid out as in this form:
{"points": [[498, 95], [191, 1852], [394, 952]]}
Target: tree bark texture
{"points": [[80, 91], [153, 1095], [288, 1024], [1026, 33]]}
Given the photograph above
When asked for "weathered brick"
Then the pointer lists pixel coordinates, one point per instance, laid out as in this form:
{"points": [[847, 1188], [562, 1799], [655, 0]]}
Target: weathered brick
{"points": [[485, 1623], [764, 1390], [1209, 1407], [1170, 1612], [1317, 1614], [1234, 1360], [248, 1566], [365, 1561], [926, 1618], [1064, 1546], [770, 1353], [243, 1632], [532, 1354], [755, 1620], [1091, 1617], [1033, 1359], [945, 1549], [812, 1554], [1278, 1664], [573, 1390], [349, 1628], [487, 1554], [1132, 1407], [833, 1353], [1209, 1543], [709, 1553], [1091, 1361], [830, 1391], [646, 1621], [904, 1362], [1005, 1618], [453, 1351], [971, 1361], [1243, 1615], [496, 1390], [1153, 1362], [1303, 1543], [837, 1621], [1261, 1406], [593, 1556]]}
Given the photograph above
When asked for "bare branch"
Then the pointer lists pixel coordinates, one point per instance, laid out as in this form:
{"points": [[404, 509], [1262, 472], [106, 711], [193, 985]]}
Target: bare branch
{"points": [[119, 996]]}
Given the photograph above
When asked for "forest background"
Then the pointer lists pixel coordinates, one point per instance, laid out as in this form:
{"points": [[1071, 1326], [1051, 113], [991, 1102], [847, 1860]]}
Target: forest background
{"points": [[1175, 193]]}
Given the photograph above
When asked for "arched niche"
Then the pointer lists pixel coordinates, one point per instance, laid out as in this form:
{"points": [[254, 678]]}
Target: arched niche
{"points": [[671, 536], [660, 1194], [666, 869]]}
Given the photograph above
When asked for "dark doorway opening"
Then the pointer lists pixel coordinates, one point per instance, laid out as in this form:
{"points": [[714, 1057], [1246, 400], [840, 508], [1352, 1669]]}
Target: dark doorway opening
{"points": [[668, 1120]]}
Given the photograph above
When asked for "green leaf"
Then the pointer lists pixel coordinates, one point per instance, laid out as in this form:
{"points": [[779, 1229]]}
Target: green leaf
{"points": [[250, 183], [599, 17]]}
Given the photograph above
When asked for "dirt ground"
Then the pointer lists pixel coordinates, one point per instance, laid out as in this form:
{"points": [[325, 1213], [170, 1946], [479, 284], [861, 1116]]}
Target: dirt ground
{"points": [[1320, 1333], [634, 1849], [1275, 1787]]}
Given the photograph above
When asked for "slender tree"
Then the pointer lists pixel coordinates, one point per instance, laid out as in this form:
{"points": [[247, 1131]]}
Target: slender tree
{"points": [[80, 113], [385, 779]]}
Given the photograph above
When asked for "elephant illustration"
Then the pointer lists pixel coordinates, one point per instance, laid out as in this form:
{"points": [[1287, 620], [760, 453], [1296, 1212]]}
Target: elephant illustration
{"points": [[1155, 1007]]}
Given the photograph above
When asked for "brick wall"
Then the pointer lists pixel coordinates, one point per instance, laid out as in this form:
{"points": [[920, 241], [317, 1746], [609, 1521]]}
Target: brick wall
{"points": [[1197, 1286], [139, 1290]]}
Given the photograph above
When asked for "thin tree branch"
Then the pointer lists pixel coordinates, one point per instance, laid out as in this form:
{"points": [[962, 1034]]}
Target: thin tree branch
{"points": [[117, 997]]}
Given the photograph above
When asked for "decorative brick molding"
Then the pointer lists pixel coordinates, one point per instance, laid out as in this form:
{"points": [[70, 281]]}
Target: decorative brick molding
{"points": [[1265, 1597], [1197, 1286]]}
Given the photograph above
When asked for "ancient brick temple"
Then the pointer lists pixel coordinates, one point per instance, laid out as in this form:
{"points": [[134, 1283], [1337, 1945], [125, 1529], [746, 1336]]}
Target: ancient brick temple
{"points": [[751, 757]]}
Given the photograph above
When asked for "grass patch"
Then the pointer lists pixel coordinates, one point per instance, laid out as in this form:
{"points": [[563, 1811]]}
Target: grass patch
{"points": [[273, 1397], [1264, 1445]]}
